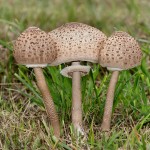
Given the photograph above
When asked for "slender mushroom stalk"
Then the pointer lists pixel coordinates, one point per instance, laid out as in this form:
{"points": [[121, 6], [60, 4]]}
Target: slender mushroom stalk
{"points": [[77, 42], [109, 101], [75, 71], [48, 101], [36, 49], [120, 52], [76, 99]]}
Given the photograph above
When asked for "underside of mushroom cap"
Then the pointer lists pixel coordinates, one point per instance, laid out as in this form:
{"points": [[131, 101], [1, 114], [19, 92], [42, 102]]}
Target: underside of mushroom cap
{"points": [[120, 51], [67, 72], [77, 42], [34, 48]]}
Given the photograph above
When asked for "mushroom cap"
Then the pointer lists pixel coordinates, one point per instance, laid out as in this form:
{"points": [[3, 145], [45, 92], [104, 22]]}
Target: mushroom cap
{"points": [[77, 42], [34, 48], [68, 71], [120, 52]]}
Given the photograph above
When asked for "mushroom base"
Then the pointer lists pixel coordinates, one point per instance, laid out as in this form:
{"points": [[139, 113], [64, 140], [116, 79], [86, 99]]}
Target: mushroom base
{"points": [[76, 100], [48, 101], [109, 102]]}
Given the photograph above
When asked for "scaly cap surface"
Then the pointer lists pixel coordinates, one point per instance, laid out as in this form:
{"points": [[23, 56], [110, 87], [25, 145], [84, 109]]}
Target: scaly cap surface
{"points": [[77, 42], [34, 48], [120, 52]]}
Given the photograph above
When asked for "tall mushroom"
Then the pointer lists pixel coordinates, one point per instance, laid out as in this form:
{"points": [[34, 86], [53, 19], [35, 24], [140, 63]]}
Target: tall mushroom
{"points": [[120, 52], [77, 42], [36, 49]]}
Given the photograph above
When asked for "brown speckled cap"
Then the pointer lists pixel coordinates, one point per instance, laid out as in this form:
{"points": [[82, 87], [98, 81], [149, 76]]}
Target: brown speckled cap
{"points": [[77, 42], [34, 48], [120, 52]]}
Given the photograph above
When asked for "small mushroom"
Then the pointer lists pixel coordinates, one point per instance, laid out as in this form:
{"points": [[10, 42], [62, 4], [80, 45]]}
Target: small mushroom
{"points": [[35, 48], [77, 42], [120, 52]]}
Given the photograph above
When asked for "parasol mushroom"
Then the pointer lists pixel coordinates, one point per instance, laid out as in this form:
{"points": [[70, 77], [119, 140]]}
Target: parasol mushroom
{"points": [[120, 52], [35, 48], [77, 42]]}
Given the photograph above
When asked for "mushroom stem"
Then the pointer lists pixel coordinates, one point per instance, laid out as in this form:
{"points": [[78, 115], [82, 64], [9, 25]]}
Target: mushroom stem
{"points": [[48, 101], [76, 100], [109, 102]]}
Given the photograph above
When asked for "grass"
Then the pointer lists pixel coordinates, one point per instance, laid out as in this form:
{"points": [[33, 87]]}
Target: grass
{"points": [[23, 120]]}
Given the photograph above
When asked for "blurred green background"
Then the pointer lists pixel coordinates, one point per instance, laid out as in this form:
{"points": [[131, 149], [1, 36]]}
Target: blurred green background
{"points": [[129, 15]]}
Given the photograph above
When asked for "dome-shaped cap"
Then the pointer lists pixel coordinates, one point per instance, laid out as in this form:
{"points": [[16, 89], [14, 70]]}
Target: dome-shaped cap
{"points": [[120, 52], [77, 42], [34, 48]]}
